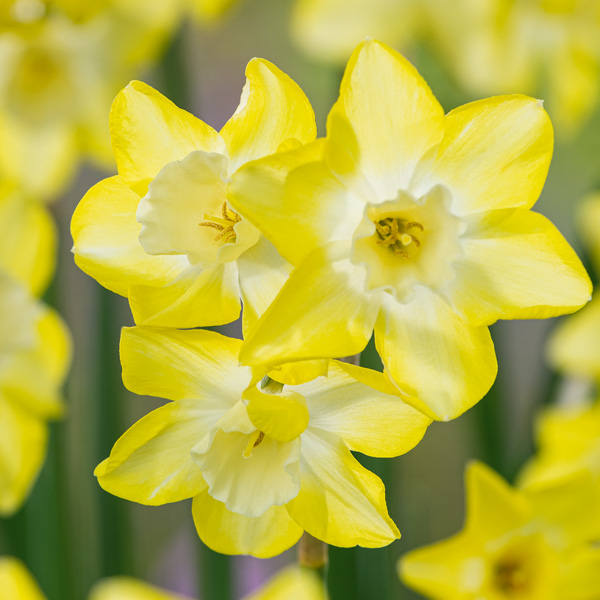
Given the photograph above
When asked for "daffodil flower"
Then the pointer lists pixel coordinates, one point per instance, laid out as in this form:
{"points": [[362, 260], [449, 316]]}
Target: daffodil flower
{"points": [[34, 356], [513, 545], [551, 45], [128, 588], [193, 255], [209, 12], [263, 464], [328, 30], [415, 225]]}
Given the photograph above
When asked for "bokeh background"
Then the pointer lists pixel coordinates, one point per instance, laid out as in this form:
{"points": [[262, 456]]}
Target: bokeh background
{"points": [[70, 533]]}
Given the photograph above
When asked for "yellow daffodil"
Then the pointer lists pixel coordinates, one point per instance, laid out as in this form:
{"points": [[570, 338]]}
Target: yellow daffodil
{"points": [[262, 463], [127, 588], [568, 440], [16, 583], [414, 224], [291, 584], [574, 347], [58, 77], [329, 30], [513, 545], [530, 46], [27, 240], [193, 256], [210, 11], [34, 355]]}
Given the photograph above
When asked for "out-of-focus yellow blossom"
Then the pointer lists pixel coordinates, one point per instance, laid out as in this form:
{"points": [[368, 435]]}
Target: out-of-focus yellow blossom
{"points": [[210, 11], [574, 347], [262, 464], [193, 256], [34, 356], [127, 588], [568, 439], [16, 583], [414, 224], [27, 240], [291, 584], [58, 77], [329, 30], [548, 47], [513, 545]]}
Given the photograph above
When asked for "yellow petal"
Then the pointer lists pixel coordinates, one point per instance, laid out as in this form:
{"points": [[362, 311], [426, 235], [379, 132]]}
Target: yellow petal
{"points": [[439, 571], [272, 109], [340, 502], [292, 583], [295, 201], [443, 363], [262, 273], [249, 473], [493, 506], [151, 463], [391, 116], [27, 241], [127, 588], [106, 246], [34, 376], [197, 297], [16, 582], [148, 131], [230, 533], [299, 372], [516, 265], [322, 311], [183, 364], [363, 408], [282, 416], [580, 577], [574, 347], [495, 153], [210, 11], [23, 438]]}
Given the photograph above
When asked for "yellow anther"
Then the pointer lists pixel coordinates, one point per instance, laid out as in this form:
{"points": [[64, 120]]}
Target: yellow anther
{"points": [[224, 225], [255, 439], [393, 233], [413, 224]]}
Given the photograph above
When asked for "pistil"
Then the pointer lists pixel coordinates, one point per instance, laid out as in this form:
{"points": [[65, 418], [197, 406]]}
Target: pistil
{"points": [[395, 234], [255, 440]]}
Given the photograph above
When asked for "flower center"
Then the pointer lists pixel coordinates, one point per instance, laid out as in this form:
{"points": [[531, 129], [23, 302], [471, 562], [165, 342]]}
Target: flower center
{"points": [[395, 234], [224, 225], [510, 577]]}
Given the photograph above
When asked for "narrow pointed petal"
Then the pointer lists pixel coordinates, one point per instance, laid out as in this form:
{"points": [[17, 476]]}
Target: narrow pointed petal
{"points": [[495, 154], [272, 109], [183, 364], [151, 463], [197, 297], [229, 533], [364, 409], [148, 131], [383, 98], [581, 575], [340, 502], [517, 265], [106, 245], [322, 311], [445, 364]]}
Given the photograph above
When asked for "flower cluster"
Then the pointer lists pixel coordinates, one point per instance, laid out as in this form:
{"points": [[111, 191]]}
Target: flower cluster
{"points": [[402, 221], [34, 346]]}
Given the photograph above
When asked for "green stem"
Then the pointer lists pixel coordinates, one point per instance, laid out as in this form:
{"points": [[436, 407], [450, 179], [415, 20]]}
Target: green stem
{"points": [[215, 572], [313, 555]]}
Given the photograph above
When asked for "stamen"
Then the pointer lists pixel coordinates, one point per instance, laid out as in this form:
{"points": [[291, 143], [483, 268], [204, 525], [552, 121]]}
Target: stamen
{"points": [[223, 225], [393, 233], [255, 439], [414, 224]]}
